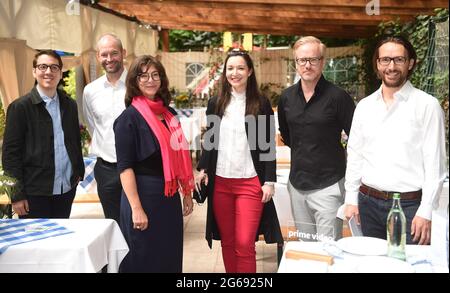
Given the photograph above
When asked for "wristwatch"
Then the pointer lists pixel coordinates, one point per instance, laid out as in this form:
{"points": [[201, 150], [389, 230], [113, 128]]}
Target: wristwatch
{"points": [[270, 183]]}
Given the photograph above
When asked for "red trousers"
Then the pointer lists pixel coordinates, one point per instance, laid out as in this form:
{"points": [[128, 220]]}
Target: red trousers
{"points": [[237, 208]]}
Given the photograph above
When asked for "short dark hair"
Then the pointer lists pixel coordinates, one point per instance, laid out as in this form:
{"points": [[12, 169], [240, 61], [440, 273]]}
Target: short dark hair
{"points": [[398, 39], [49, 53], [132, 82]]}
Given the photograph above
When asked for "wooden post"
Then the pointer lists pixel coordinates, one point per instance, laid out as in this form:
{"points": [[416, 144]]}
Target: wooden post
{"points": [[164, 35]]}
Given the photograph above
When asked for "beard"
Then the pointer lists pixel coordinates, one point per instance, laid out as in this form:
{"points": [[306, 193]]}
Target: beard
{"points": [[393, 83], [114, 69]]}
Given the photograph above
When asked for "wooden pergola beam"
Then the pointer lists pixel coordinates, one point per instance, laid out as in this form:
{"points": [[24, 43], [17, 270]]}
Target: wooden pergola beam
{"points": [[258, 10], [338, 18], [316, 3], [232, 15], [347, 32], [243, 19]]}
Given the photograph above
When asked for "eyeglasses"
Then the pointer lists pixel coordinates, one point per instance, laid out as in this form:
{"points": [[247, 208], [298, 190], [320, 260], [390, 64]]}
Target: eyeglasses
{"points": [[237, 52], [385, 61], [53, 67], [144, 77], [312, 61]]}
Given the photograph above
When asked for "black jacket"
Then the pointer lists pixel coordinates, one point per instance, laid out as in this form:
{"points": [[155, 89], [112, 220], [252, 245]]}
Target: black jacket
{"points": [[266, 170], [28, 149]]}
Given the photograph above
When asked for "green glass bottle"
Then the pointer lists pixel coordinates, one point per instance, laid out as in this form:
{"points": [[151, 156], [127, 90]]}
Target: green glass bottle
{"points": [[396, 230]]}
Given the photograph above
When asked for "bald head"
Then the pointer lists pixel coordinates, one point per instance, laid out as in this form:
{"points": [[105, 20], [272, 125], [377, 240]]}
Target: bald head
{"points": [[110, 55], [109, 39]]}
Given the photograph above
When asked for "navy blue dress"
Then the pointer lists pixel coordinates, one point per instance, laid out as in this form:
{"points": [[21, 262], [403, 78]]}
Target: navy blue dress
{"points": [[159, 248]]}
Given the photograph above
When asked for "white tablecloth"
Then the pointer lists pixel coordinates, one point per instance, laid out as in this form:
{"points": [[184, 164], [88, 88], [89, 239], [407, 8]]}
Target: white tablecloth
{"points": [[282, 200], [94, 244], [415, 255], [439, 229]]}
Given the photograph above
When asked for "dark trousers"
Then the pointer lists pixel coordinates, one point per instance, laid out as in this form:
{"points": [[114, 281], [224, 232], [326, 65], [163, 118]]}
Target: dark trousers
{"points": [[109, 188], [54, 206], [373, 213]]}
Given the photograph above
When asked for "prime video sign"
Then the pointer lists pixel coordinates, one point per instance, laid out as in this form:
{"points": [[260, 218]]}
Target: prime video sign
{"points": [[73, 7]]}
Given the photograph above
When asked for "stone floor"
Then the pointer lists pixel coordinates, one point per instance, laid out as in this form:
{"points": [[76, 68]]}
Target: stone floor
{"points": [[198, 258]]}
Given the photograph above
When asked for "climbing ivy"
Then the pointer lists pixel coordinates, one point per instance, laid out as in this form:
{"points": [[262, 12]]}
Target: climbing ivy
{"points": [[70, 84], [417, 31]]}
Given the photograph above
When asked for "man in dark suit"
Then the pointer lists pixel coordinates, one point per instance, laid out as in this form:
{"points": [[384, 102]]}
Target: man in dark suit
{"points": [[42, 145]]}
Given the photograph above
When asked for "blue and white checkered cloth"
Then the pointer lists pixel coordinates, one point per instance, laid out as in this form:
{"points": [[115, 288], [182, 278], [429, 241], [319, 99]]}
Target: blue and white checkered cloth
{"points": [[16, 231], [184, 112], [89, 185]]}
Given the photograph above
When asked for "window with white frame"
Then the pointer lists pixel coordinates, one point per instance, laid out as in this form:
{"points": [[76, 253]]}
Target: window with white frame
{"points": [[192, 71], [291, 75], [340, 70]]}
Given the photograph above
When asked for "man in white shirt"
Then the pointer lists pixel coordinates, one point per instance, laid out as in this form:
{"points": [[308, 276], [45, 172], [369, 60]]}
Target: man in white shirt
{"points": [[397, 144], [103, 102]]}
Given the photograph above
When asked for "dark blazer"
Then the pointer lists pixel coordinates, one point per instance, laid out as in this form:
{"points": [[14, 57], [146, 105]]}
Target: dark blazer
{"points": [[266, 170], [135, 140], [28, 148]]}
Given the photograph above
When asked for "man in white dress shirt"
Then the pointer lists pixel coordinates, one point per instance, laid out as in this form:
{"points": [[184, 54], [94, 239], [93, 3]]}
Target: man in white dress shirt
{"points": [[397, 144], [103, 102]]}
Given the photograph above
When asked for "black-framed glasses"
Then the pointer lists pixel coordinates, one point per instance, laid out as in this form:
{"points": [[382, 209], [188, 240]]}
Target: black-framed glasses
{"points": [[237, 52], [385, 61], [53, 67], [144, 77], [312, 60]]}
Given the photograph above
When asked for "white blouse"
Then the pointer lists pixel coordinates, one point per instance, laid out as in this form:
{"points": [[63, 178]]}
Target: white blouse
{"points": [[234, 159]]}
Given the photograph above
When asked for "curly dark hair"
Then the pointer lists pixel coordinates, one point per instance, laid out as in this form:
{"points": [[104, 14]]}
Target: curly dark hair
{"points": [[143, 63]]}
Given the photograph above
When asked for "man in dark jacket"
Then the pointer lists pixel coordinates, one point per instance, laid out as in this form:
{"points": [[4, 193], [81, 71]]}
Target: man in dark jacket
{"points": [[42, 145]]}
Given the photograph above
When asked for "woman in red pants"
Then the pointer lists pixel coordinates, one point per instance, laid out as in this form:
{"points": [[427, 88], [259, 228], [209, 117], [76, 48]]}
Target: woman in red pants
{"points": [[238, 165]]}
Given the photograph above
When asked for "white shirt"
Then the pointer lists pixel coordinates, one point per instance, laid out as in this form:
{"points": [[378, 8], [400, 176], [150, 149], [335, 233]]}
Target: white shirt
{"points": [[102, 104], [398, 149], [234, 159]]}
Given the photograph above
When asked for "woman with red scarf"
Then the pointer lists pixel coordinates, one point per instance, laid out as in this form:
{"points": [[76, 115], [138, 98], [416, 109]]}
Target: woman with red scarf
{"points": [[154, 164]]}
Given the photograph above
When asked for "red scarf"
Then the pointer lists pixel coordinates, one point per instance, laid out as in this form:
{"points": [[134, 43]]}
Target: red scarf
{"points": [[176, 159]]}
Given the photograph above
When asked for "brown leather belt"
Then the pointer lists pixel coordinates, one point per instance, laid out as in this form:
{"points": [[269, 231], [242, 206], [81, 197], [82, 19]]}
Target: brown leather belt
{"points": [[389, 194]]}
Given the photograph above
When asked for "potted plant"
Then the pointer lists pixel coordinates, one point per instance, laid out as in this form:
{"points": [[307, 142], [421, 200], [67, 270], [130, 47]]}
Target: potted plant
{"points": [[182, 101]]}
